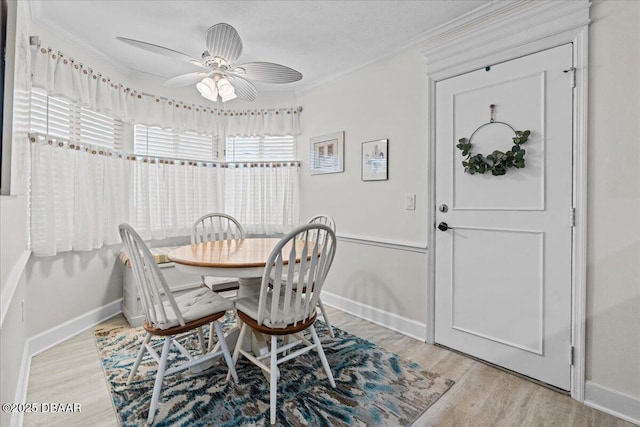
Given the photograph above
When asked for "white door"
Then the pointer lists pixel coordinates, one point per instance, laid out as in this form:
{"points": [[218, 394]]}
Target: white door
{"points": [[503, 271]]}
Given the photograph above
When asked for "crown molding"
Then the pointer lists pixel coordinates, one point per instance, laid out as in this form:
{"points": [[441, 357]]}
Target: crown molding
{"points": [[497, 32], [455, 23], [309, 87], [39, 18]]}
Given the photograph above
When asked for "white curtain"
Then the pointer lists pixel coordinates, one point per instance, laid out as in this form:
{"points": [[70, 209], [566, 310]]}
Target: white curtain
{"points": [[61, 76], [168, 197], [264, 197], [78, 198]]}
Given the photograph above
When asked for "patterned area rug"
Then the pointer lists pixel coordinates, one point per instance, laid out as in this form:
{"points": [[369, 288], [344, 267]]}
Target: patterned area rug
{"points": [[373, 386]]}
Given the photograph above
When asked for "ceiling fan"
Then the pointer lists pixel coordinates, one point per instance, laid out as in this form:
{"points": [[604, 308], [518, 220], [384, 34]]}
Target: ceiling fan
{"points": [[222, 78]]}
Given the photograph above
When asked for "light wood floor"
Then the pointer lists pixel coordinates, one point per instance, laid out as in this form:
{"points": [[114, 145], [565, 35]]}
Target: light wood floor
{"points": [[482, 395]]}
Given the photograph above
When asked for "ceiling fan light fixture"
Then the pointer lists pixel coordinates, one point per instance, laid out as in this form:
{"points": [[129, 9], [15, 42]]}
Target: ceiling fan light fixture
{"points": [[207, 88], [229, 97], [224, 87], [213, 97]]}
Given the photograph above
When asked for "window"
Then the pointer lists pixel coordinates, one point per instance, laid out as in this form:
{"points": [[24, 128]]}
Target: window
{"points": [[60, 118], [173, 144], [268, 148]]}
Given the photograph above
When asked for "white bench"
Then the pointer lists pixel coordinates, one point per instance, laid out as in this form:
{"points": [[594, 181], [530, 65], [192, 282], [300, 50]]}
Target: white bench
{"points": [[178, 282]]}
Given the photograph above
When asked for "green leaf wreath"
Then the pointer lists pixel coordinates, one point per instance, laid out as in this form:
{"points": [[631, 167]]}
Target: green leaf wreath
{"points": [[497, 162]]}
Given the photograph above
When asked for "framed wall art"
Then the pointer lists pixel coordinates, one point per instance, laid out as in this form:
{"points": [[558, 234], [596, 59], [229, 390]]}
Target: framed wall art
{"points": [[375, 157], [326, 153]]}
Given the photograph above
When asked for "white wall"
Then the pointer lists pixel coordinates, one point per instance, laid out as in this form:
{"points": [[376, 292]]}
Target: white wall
{"points": [[367, 107], [385, 100], [70, 284], [13, 243], [13, 356], [13, 226], [388, 100], [613, 275]]}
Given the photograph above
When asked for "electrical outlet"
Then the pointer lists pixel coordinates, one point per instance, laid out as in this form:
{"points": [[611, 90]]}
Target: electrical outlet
{"points": [[410, 202]]}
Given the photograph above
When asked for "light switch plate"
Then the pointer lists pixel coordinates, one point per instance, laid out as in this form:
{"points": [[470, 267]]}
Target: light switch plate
{"points": [[410, 202]]}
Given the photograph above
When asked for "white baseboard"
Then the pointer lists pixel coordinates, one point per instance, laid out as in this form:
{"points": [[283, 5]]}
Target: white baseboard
{"points": [[612, 402], [375, 315], [47, 339], [23, 383], [39, 343]]}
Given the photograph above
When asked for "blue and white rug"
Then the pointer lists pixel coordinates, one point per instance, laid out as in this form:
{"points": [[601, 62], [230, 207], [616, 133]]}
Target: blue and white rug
{"points": [[373, 387]]}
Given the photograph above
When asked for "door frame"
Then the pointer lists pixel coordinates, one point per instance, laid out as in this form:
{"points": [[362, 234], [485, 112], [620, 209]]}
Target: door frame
{"points": [[490, 35]]}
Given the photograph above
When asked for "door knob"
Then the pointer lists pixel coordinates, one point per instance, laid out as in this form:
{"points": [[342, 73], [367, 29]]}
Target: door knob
{"points": [[443, 226]]}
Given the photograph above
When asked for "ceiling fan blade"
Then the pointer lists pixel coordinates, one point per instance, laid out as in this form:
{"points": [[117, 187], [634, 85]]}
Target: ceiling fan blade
{"points": [[185, 79], [224, 41], [267, 72], [245, 90], [160, 50]]}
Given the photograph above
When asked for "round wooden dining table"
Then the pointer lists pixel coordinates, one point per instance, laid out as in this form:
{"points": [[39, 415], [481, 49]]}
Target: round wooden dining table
{"points": [[244, 259], [241, 258]]}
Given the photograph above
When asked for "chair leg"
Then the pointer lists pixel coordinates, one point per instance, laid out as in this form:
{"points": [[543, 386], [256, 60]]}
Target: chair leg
{"points": [[326, 318], [236, 350], [274, 378], [211, 332], [323, 358], [201, 340], [159, 377], [225, 350], [141, 352]]}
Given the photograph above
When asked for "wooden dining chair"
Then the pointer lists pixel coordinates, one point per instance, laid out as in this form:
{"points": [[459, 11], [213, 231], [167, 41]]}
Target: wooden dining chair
{"points": [[328, 221], [173, 318], [213, 227], [280, 311]]}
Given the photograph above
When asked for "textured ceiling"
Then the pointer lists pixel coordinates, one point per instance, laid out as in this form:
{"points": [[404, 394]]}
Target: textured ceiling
{"points": [[321, 39]]}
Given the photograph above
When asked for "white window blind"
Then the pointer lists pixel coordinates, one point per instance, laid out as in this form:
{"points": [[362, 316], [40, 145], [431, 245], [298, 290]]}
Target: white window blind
{"points": [[154, 141], [60, 118], [268, 148]]}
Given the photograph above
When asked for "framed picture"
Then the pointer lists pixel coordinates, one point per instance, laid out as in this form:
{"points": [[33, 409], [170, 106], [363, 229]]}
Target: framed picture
{"points": [[326, 153], [375, 156]]}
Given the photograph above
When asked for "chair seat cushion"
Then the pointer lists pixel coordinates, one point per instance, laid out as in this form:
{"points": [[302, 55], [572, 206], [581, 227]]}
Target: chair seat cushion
{"points": [[218, 284], [249, 306], [195, 305], [160, 255], [294, 280]]}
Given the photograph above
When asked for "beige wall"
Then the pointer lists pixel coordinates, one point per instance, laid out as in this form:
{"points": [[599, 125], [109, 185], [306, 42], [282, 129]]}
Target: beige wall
{"points": [[369, 105], [613, 273]]}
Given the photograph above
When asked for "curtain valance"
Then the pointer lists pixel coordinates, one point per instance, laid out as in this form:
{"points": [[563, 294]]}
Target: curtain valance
{"points": [[62, 76]]}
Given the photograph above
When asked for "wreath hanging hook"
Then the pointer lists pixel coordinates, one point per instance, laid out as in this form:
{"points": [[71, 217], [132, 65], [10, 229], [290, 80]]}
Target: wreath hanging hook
{"points": [[497, 162]]}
